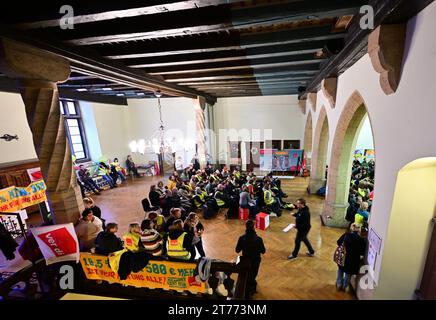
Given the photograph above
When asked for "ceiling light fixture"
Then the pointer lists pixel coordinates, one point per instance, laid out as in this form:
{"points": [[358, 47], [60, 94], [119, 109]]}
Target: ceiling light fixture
{"points": [[106, 89], [82, 89]]}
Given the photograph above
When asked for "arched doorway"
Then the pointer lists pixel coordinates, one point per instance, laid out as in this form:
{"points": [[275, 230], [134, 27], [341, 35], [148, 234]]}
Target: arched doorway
{"points": [[341, 161], [308, 140], [409, 254], [319, 155]]}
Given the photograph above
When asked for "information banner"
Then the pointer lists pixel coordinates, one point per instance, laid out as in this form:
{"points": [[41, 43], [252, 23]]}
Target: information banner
{"points": [[167, 275], [287, 160], [266, 159], [14, 199]]}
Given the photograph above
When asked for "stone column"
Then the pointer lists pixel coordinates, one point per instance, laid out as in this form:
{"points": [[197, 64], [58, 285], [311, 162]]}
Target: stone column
{"points": [[200, 104], [38, 73]]}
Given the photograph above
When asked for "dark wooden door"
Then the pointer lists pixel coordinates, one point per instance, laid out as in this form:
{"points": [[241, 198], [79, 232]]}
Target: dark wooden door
{"points": [[428, 282]]}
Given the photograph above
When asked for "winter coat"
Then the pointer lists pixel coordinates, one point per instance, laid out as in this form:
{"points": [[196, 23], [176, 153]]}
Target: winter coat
{"points": [[354, 249]]}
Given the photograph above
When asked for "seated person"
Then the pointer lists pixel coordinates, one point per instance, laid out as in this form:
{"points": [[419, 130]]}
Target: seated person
{"points": [[107, 242], [199, 200], [246, 202], [175, 214], [172, 183], [131, 167], [155, 197], [103, 171], [151, 239], [90, 204], [132, 239], [116, 167], [88, 229], [86, 179], [179, 242], [221, 199], [271, 202], [158, 221]]}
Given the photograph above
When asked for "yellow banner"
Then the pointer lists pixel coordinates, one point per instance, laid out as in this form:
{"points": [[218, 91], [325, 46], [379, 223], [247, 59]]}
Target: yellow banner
{"points": [[13, 199], [165, 275]]}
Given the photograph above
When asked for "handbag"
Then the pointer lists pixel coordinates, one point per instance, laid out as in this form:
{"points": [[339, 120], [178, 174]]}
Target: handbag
{"points": [[339, 255]]}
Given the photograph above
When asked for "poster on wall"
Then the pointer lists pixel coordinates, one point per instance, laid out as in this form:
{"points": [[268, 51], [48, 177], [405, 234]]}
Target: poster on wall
{"points": [[374, 248], [287, 160], [265, 158]]}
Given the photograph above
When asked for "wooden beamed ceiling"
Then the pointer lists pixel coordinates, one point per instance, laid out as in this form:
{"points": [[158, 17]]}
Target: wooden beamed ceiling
{"points": [[210, 48]]}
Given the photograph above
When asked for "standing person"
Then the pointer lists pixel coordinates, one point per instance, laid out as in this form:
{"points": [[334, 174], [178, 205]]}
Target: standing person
{"points": [[252, 247], [354, 249], [179, 165], [302, 224], [193, 225]]}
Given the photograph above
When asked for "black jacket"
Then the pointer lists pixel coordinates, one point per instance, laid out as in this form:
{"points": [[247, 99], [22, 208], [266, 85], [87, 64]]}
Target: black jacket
{"points": [[106, 243], [251, 245], [302, 219], [7, 244], [354, 249], [154, 197]]}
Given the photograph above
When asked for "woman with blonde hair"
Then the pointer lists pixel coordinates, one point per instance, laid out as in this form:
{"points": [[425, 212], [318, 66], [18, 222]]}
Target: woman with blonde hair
{"points": [[351, 248]]}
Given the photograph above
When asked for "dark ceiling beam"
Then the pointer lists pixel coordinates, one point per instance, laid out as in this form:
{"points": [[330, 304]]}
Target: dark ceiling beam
{"points": [[225, 56], [208, 19], [388, 11], [253, 80], [48, 12], [93, 65], [216, 42], [300, 60]]}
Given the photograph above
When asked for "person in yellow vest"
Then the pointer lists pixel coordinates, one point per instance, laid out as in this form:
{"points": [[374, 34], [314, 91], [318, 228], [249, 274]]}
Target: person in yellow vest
{"points": [[118, 169], [103, 171], [271, 202], [220, 197], [132, 239], [172, 183], [158, 221], [179, 242]]}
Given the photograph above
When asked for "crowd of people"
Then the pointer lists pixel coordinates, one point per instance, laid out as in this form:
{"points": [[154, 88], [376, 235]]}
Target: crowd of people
{"points": [[361, 192], [111, 172]]}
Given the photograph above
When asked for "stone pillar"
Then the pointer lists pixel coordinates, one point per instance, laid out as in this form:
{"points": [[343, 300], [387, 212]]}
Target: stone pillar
{"points": [[38, 73], [200, 104]]}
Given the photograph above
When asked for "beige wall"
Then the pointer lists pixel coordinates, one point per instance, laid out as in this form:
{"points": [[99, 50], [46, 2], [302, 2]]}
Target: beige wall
{"points": [[409, 230], [13, 121]]}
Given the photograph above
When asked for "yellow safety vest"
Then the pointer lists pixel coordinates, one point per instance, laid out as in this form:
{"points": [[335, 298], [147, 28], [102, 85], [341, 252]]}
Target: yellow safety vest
{"points": [[238, 175], [131, 241], [220, 202], [175, 248], [160, 220], [215, 178], [268, 197], [203, 195], [361, 192], [114, 260]]}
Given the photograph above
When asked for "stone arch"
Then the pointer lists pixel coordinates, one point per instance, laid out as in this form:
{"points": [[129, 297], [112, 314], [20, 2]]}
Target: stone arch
{"points": [[339, 173], [319, 154]]}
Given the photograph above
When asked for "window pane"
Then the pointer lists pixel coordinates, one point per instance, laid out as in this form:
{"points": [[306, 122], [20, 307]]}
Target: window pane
{"points": [[62, 108], [71, 107], [80, 155], [72, 122], [76, 139], [77, 147], [74, 130]]}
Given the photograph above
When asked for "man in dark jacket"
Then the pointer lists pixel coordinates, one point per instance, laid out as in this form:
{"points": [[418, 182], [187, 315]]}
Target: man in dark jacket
{"points": [[252, 247], [302, 224], [107, 242]]}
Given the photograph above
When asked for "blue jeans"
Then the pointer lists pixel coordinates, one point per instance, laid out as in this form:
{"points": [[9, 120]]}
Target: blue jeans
{"points": [[109, 180], [343, 279]]}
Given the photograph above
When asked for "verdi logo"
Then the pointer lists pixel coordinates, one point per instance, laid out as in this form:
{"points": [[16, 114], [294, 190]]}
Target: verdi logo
{"points": [[59, 241]]}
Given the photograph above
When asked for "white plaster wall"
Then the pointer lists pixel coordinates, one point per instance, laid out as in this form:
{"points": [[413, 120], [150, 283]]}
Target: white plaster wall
{"points": [[271, 117], [403, 123], [13, 121]]}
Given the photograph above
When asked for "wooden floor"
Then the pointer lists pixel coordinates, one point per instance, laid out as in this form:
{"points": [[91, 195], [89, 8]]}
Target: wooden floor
{"points": [[303, 278]]}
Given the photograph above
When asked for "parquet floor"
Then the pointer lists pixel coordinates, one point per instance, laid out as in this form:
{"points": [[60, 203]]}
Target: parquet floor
{"points": [[304, 278]]}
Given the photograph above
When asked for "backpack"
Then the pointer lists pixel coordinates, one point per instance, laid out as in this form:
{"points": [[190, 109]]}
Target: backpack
{"points": [[339, 255]]}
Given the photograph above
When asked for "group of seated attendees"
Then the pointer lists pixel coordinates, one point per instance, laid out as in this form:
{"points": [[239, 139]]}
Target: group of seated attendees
{"points": [[111, 172], [361, 192], [209, 190], [177, 237]]}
